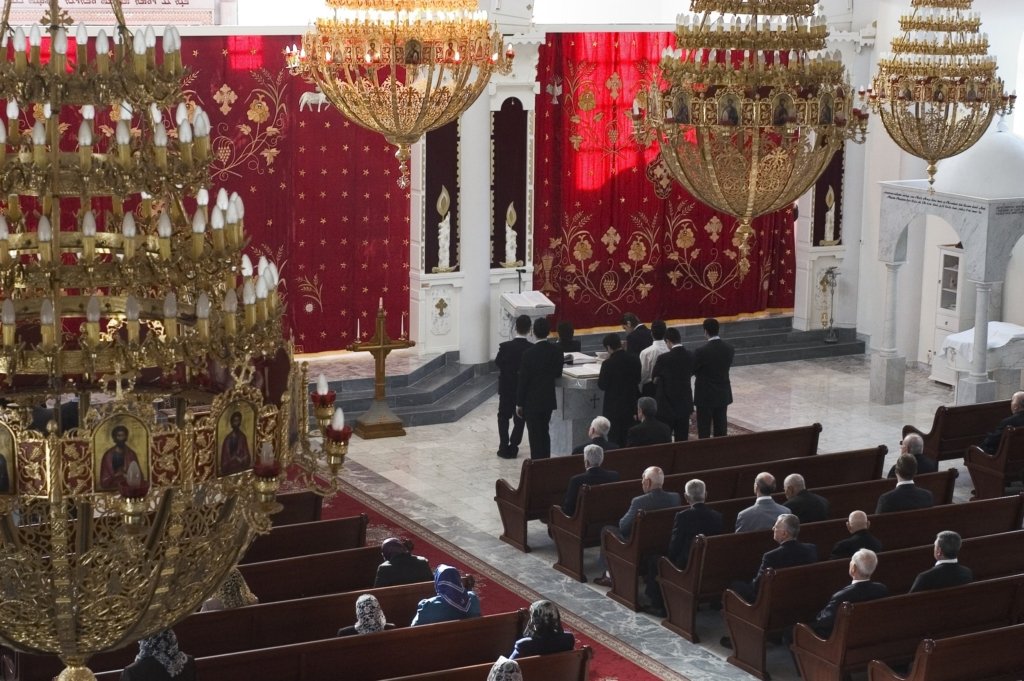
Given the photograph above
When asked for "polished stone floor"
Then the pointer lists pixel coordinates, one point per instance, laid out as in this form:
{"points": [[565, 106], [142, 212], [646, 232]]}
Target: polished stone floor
{"points": [[443, 477]]}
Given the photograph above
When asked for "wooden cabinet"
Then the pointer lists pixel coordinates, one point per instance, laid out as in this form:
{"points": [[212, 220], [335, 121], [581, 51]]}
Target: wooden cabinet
{"points": [[954, 311]]}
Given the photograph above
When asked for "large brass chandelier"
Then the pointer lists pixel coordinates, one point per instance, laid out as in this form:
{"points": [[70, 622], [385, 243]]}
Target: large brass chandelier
{"points": [[401, 67], [937, 91], [751, 108], [123, 283]]}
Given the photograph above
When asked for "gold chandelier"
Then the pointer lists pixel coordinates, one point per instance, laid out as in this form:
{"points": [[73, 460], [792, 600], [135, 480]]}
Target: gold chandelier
{"points": [[937, 91], [401, 67], [123, 283], [751, 108]]}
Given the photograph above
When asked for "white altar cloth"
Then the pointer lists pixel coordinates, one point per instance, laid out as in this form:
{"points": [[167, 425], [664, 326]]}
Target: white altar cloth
{"points": [[1004, 352]]}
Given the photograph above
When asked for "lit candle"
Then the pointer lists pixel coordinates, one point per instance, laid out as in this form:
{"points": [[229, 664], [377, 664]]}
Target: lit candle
{"points": [[19, 50], [81, 46], [321, 385], [59, 53], [168, 47], [13, 133], [150, 36], [401, 332], [232, 220], [198, 233], [85, 145], [123, 137], [39, 144], [246, 265], [201, 131], [217, 229], [46, 320], [92, 319], [358, 335], [44, 234], [171, 315], [139, 53], [249, 303], [239, 206], [261, 299], [338, 420], [203, 315], [88, 236], [222, 199], [128, 233], [131, 314], [5, 246], [35, 41], [230, 307], [163, 231], [261, 265], [102, 52], [8, 318], [380, 303], [185, 142], [160, 145], [180, 113]]}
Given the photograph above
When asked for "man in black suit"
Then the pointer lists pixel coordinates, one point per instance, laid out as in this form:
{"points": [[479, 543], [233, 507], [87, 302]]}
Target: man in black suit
{"points": [[598, 435], [789, 553], [593, 457], [991, 442], [565, 337], [688, 523], [650, 431], [712, 391], [913, 444], [907, 496], [535, 398], [947, 571], [620, 381], [805, 505], [672, 373], [861, 589], [638, 336], [510, 356], [857, 523]]}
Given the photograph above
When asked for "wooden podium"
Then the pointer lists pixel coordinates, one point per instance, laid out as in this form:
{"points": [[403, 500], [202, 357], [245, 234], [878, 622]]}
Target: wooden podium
{"points": [[379, 420]]}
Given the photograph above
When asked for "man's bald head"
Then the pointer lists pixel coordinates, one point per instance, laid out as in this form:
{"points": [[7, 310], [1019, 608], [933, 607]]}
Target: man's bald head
{"points": [[1017, 402], [764, 484], [857, 521]]}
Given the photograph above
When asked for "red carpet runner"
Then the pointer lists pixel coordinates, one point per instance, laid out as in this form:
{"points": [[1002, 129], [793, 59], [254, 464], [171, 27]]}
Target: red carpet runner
{"points": [[613, 660]]}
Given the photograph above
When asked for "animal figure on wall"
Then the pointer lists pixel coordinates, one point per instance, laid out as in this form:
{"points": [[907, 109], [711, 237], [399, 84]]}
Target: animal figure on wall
{"points": [[309, 99]]}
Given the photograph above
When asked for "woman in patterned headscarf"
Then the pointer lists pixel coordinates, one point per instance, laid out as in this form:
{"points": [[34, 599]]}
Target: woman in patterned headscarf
{"points": [[369, 617], [454, 600], [233, 593], [543, 633], [505, 670], [160, 660]]}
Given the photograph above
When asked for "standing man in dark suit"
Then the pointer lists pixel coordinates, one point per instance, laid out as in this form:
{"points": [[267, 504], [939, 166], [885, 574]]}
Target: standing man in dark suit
{"points": [[620, 381], [593, 457], [991, 442], [907, 496], [947, 571], [638, 336], [650, 431], [857, 523], [861, 589], [535, 398], [672, 373], [806, 505], [712, 392], [913, 444], [688, 523], [510, 356], [598, 434]]}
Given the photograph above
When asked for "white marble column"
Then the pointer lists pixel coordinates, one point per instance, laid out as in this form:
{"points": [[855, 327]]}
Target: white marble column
{"points": [[888, 367], [977, 387], [475, 232]]}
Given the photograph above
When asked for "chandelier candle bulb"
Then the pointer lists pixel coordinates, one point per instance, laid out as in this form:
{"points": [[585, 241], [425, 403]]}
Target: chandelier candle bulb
{"points": [[59, 53], [171, 315], [129, 231], [198, 233], [44, 234], [92, 319], [338, 420], [230, 308], [168, 47], [5, 246], [321, 385], [85, 145], [9, 322], [217, 229], [139, 51], [88, 237], [131, 315], [261, 299], [35, 42], [163, 230], [82, 47], [203, 316], [123, 138], [246, 265], [102, 53], [150, 39], [46, 319], [39, 144], [201, 133], [249, 303], [3, 144], [261, 265], [222, 199], [19, 51], [13, 132], [160, 145], [185, 142], [234, 233]]}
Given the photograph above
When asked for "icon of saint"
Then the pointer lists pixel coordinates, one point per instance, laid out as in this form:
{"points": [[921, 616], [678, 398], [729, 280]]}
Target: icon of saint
{"points": [[234, 451], [116, 460]]}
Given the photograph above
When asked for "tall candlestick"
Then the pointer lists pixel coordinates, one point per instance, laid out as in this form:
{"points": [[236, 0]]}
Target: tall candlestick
{"points": [[357, 329]]}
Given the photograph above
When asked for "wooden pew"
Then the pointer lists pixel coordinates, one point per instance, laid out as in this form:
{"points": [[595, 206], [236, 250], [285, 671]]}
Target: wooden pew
{"points": [[253, 627], [299, 507], [797, 594], [715, 562], [542, 482], [954, 429], [992, 473], [989, 655], [653, 530], [572, 665], [603, 505], [288, 541], [313, 575], [371, 657], [890, 629]]}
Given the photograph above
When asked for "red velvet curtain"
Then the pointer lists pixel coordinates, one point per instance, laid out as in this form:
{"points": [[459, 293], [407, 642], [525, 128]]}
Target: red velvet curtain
{"points": [[613, 232], [320, 193]]}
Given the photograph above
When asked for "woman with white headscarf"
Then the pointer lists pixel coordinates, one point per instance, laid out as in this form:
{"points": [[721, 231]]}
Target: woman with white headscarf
{"points": [[505, 670], [454, 600], [543, 633], [160, 660], [233, 593], [369, 618]]}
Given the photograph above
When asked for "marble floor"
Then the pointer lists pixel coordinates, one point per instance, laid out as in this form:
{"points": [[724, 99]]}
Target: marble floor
{"points": [[442, 476]]}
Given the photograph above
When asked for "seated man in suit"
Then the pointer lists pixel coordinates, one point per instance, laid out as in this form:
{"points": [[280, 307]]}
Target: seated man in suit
{"points": [[598, 435], [650, 431], [762, 514], [947, 571], [688, 523], [913, 444], [861, 589], [790, 553], [804, 504], [653, 498], [593, 457], [859, 538], [907, 496], [1016, 419]]}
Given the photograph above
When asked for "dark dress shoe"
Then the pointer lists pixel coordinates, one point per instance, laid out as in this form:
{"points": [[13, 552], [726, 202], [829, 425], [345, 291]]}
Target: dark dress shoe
{"points": [[726, 642], [603, 580], [505, 454]]}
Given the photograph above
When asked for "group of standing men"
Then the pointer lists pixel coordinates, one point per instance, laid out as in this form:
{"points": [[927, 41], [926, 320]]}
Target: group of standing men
{"points": [[652, 363]]}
